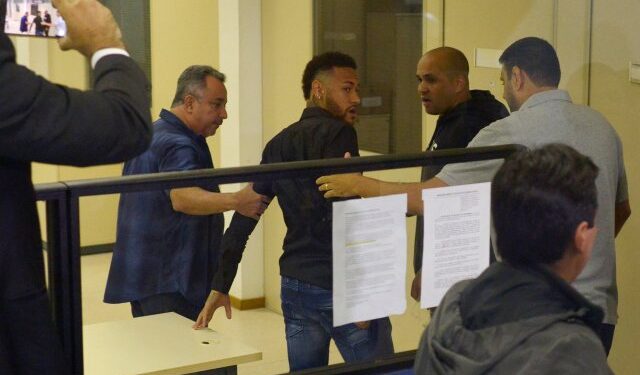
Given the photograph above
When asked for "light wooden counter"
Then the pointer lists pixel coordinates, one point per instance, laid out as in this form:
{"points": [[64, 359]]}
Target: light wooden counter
{"points": [[160, 344]]}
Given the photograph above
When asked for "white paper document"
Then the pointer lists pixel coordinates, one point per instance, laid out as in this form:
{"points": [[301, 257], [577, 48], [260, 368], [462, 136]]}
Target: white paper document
{"points": [[369, 258], [456, 237]]}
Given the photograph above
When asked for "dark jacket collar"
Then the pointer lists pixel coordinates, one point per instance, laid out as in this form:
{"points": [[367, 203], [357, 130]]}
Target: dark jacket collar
{"points": [[481, 104], [310, 112]]}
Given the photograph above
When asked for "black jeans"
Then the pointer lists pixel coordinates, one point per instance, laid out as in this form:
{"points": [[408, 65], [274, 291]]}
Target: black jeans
{"points": [[162, 303], [606, 335]]}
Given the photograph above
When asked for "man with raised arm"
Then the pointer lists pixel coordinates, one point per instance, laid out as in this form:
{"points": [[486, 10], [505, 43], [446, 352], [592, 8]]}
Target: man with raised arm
{"points": [[44, 122]]}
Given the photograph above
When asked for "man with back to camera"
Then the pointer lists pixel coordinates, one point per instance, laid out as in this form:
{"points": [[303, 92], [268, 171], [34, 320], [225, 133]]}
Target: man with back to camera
{"points": [[45, 122], [325, 130], [540, 114], [168, 242], [443, 85], [521, 315]]}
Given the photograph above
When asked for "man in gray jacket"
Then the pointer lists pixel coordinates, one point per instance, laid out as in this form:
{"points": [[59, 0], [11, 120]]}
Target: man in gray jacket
{"points": [[521, 315]]}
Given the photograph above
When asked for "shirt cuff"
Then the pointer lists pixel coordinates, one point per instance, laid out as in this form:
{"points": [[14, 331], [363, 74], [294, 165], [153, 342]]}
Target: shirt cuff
{"points": [[106, 52]]}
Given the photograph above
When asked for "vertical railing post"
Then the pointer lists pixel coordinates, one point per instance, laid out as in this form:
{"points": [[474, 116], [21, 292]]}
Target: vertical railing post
{"points": [[64, 278], [74, 286], [56, 240], [57, 212]]}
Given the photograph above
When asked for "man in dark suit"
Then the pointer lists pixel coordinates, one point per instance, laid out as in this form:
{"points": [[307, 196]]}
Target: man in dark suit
{"points": [[43, 122]]}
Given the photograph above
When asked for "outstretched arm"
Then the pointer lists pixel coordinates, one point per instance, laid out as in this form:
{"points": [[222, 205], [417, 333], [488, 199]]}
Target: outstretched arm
{"points": [[353, 184], [234, 242], [214, 301], [198, 201]]}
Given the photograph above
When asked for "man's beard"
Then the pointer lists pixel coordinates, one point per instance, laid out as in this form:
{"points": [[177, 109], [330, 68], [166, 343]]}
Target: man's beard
{"points": [[335, 109]]}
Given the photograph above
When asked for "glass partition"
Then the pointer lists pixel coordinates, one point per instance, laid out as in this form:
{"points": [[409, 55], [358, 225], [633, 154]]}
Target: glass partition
{"points": [[599, 58]]}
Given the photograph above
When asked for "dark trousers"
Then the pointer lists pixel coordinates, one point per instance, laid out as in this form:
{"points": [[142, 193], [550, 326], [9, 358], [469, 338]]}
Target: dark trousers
{"points": [[29, 343], [166, 302], [606, 332]]}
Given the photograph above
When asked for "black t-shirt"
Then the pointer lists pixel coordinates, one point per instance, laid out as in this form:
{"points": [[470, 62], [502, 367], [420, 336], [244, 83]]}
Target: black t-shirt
{"points": [[455, 129], [38, 22], [307, 214]]}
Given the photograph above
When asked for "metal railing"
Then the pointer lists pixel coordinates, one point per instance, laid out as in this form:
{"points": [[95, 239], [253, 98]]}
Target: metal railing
{"points": [[63, 215]]}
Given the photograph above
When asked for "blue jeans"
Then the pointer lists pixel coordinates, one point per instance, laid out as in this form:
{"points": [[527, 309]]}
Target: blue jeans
{"points": [[308, 318]]}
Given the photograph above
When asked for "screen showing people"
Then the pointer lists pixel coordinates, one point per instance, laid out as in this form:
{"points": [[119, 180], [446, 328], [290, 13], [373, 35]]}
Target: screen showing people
{"points": [[34, 18]]}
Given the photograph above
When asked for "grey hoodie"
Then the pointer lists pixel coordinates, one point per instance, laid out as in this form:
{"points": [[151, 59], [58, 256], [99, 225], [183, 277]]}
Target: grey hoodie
{"points": [[513, 321]]}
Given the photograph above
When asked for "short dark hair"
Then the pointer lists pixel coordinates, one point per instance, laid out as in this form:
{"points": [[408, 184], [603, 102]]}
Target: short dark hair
{"points": [[324, 63], [536, 57], [538, 199], [193, 80]]}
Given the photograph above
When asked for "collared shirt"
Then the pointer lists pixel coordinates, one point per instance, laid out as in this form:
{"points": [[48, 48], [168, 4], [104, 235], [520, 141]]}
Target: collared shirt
{"points": [[308, 242], [159, 250], [551, 117]]}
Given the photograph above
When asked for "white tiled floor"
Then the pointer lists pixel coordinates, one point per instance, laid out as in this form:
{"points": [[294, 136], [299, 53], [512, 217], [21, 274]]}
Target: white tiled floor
{"points": [[261, 328]]}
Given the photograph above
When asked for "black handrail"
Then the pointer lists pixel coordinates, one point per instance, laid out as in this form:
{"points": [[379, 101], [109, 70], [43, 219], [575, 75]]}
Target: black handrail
{"points": [[63, 216], [274, 171], [50, 191]]}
